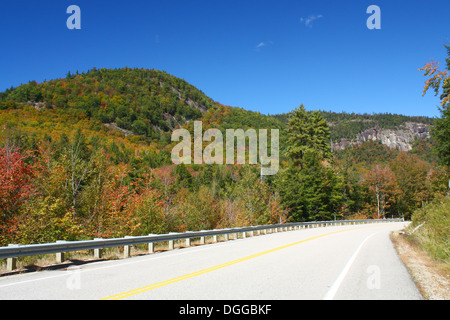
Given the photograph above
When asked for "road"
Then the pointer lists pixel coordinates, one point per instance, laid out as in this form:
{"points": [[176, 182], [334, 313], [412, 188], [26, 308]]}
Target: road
{"points": [[340, 262]]}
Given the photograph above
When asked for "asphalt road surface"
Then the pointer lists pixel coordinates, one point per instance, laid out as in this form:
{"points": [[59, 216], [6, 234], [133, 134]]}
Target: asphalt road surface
{"points": [[341, 262]]}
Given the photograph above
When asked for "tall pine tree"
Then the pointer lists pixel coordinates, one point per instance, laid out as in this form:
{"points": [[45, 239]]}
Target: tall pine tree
{"points": [[309, 186], [307, 132]]}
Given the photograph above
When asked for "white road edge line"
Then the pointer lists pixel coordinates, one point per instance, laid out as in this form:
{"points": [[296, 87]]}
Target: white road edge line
{"points": [[337, 283]]}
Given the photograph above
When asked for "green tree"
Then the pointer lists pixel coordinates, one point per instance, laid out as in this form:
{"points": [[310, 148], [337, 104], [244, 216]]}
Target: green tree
{"points": [[309, 186], [257, 202], [313, 193], [307, 132]]}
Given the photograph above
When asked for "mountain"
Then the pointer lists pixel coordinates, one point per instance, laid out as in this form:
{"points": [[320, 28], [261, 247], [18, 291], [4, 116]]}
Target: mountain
{"points": [[392, 130], [144, 102], [149, 104]]}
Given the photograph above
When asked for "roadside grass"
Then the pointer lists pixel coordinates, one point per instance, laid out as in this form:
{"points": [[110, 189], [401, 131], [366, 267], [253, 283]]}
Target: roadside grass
{"points": [[430, 229]]}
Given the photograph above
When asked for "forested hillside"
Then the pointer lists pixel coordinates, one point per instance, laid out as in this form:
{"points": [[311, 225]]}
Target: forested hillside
{"points": [[88, 156], [146, 102]]}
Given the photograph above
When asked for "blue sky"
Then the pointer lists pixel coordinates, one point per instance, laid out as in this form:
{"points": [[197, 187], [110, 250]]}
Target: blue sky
{"points": [[267, 56]]}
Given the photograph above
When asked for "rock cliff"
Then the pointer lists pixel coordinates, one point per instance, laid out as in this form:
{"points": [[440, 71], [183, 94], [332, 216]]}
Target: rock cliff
{"points": [[401, 138]]}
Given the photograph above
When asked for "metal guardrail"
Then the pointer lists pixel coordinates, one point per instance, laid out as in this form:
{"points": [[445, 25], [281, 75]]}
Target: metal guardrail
{"points": [[14, 251]]}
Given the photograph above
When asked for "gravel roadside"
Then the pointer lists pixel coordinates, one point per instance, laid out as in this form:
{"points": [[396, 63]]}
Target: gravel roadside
{"points": [[432, 279]]}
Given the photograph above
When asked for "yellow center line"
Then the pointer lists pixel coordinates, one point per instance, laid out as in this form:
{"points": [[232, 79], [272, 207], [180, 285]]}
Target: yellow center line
{"points": [[220, 266]]}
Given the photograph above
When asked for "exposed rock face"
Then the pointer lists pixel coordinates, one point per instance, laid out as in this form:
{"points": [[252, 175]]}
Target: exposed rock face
{"points": [[191, 103], [400, 139], [123, 131]]}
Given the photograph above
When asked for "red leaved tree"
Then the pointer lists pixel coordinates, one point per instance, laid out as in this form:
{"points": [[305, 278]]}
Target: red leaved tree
{"points": [[15, 187]]}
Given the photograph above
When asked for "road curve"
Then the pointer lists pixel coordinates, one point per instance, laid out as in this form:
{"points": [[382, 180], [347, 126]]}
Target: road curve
{"points": [[340, 262]]}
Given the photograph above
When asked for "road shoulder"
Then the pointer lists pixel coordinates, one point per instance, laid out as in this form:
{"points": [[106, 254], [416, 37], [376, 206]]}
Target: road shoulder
{"points": [[432, 279]]}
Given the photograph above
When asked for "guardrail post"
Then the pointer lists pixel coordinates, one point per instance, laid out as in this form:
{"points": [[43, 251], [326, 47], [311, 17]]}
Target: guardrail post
{"points": [[151, 245], [226, 236], [98, 251], [202, 240], [172, 242], [127, 251], [188, 242], [60, 255], [11, 263]]}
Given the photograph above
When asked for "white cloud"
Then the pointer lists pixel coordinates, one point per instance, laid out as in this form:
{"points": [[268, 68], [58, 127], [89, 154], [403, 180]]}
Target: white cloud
{"points": [[309, 20], [261, 44]]}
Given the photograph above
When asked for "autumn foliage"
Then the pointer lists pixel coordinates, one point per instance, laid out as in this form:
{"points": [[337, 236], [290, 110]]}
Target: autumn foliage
{"points": [[88, 156], [15, 187], [78, 184]]}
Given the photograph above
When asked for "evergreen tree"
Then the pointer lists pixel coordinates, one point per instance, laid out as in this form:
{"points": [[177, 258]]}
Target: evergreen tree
{"points": [[307, 132], [309, 187], [313, 193]]}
